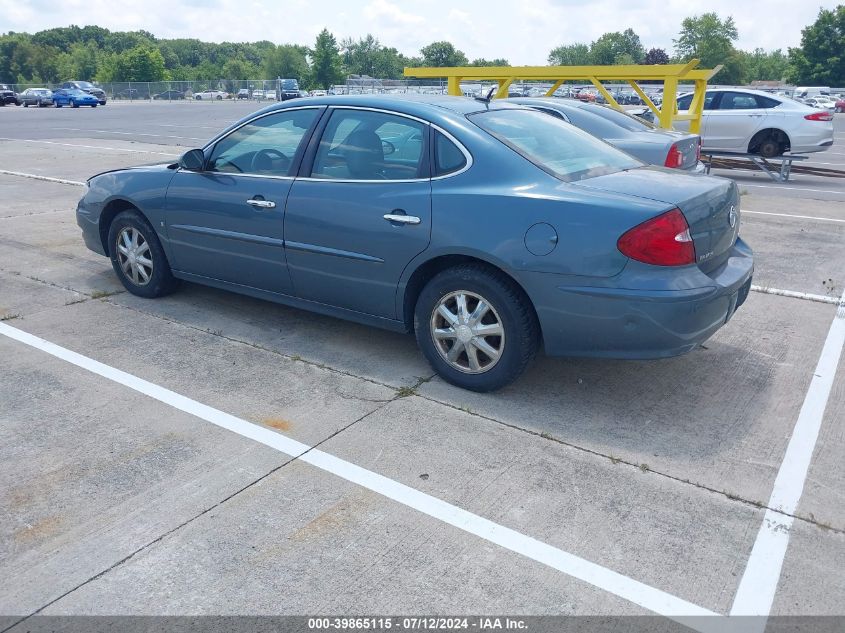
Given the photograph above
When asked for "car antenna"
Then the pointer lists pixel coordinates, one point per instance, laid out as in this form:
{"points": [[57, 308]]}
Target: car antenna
{"points": [[489, 96]]}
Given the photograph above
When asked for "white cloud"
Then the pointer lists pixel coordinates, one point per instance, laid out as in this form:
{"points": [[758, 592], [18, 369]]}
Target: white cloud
{"points": [[390, 14]]}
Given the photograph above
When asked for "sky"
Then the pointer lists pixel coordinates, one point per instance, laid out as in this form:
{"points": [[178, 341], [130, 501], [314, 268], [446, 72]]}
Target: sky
{"points": [[521, 31]]}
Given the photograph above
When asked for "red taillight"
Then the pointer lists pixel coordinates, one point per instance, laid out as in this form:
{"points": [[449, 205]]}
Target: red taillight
{"points": [[662, 241], [819, 116], [674, 158]]}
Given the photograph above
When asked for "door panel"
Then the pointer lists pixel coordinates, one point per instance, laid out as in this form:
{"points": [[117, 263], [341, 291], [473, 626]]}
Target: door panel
{"points": [[227, 221], [732, 124], [341, 250], [215, 233]]}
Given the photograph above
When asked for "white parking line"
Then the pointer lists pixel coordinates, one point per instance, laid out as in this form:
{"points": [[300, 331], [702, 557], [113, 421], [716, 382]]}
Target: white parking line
{"points": [[632, 590], [790, 215], [111, 149], [77, 129], [37, 177], [759, 583], [778, 186], [795, 295]]}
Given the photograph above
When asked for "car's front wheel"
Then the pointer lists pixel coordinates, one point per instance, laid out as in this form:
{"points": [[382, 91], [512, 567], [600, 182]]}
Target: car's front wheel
{"points": [[137, 256], [476, 327]]}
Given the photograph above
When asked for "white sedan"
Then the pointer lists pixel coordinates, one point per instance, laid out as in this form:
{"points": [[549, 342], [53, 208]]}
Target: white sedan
{"points": [[218, 95], [756, 122]]}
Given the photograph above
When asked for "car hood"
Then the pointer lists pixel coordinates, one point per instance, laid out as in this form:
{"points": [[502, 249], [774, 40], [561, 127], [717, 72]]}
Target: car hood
{"points": [[150, 167]]}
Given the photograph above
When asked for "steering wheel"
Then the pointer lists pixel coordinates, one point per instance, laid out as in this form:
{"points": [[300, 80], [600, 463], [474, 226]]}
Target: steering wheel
{"points": [[269, 155]]}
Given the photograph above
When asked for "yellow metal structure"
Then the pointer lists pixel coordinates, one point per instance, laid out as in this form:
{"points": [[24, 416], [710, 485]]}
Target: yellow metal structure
{"points": [[670, 74]]}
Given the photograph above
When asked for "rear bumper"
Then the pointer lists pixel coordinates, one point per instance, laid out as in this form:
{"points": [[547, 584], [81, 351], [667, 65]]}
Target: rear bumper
{"points": [[673, 315]]}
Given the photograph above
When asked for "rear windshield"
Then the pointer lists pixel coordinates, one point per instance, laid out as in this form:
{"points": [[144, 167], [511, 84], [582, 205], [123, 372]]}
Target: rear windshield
{"points": [[553, 145], [627, 121]]}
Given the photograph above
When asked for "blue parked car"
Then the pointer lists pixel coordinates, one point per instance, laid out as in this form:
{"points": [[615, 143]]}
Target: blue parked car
{"points": [[488, 229], [74, 98]]}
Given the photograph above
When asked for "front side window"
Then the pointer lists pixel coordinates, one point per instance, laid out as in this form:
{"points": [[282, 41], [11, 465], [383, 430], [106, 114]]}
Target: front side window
{"points": [[367, 145], [561, 150], [265, 146]]}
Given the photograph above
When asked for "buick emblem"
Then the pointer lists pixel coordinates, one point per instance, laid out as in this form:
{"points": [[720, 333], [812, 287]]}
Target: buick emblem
{"points": [[732, 216]]}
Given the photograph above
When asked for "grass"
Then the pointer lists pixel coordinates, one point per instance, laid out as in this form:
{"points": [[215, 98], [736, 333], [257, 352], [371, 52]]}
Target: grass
{"points": [[404, 392], [9, 317], [99, 294]]}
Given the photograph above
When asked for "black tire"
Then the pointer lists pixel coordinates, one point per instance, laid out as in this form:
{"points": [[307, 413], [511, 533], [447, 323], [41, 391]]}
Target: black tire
{"points": [[512, 309], [94, 105], [25, 104], [769, 147], [161, 280], [73, 104]]}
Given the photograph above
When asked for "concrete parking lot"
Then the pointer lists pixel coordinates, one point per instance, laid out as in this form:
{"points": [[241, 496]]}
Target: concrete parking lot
{"points": [[209, 453]]}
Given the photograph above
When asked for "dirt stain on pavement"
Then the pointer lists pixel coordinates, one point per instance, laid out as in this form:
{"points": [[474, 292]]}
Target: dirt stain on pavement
{"points": [[280, 424]]}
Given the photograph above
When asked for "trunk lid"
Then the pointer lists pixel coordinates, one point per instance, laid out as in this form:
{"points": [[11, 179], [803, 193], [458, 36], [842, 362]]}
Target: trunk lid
{"points": [[710, 205]]}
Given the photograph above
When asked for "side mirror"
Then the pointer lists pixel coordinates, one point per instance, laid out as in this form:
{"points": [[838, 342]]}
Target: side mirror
{"points": [[192, 160]]}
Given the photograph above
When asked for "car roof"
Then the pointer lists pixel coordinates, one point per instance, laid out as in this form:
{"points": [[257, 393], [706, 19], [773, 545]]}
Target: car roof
{"points": [[432, 107]]}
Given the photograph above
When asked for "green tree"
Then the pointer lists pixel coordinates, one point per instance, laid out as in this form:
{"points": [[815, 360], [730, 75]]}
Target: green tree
{"points": [[570, 55], [656, 56], [287, 61], [499, 61], [80, 62], [142, 63], [325, 61], [442, 54], [710, 39], [820, 60], [617, 48], [762, 66], [239, 68]]}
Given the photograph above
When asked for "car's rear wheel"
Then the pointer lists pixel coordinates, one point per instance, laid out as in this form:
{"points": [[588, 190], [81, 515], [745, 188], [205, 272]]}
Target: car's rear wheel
{"points": [[137, 256], [74, 104], [476, 327], [769, 148]]}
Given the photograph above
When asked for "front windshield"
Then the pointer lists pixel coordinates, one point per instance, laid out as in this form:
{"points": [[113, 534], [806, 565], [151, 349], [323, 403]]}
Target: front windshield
{"points": [[290, 84], [554, 146], [84, 84]]}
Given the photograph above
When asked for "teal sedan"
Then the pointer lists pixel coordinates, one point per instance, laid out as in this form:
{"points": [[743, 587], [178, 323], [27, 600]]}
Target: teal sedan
{"points": [[74, 98], [487, 229]]}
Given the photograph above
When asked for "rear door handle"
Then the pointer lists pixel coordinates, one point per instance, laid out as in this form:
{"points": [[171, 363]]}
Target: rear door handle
{"points": [[401, 219], [261, 204]]}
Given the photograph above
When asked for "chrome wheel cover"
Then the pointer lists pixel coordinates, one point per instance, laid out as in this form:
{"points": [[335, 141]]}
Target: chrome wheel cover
{"points": [[134, 256], [467, 332]]}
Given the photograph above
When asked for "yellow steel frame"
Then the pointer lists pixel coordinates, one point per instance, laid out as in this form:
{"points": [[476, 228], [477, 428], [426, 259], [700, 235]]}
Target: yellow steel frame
{"points": [[670, 74]]}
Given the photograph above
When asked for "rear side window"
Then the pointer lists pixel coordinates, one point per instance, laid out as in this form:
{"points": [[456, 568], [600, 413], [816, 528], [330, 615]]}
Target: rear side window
{"points": [[448, 158], [743, 101]]}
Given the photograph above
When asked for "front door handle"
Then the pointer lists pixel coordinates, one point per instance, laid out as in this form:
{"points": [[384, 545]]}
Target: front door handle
{"points": [[401, 218], [261, 204]]}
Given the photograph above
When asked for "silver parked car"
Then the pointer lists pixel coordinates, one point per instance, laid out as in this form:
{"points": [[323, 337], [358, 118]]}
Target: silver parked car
{"points": [[666, 148], [755, 122], [41, 97]]}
